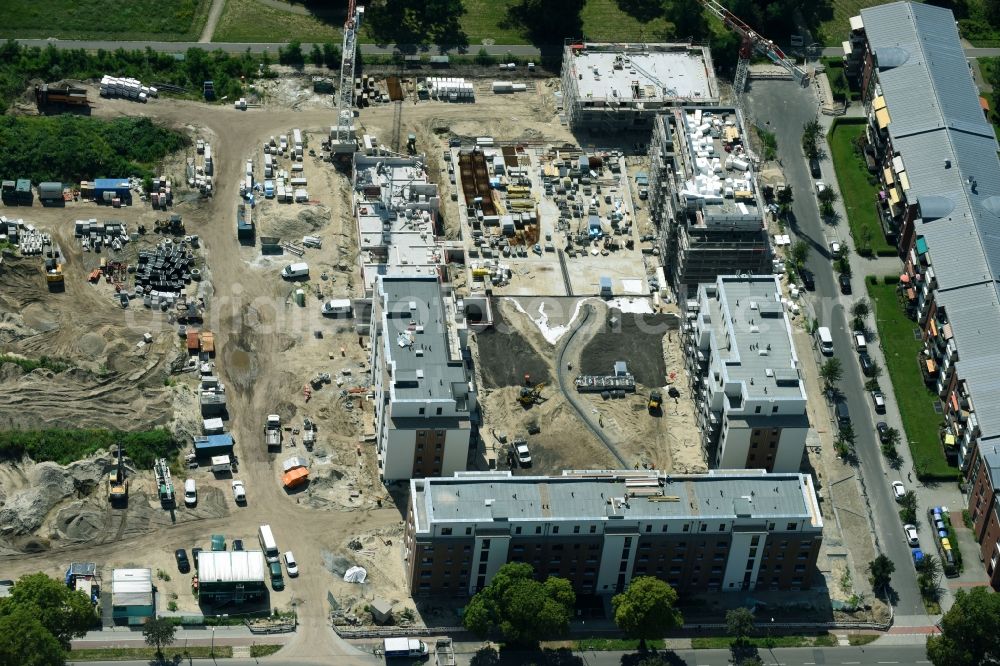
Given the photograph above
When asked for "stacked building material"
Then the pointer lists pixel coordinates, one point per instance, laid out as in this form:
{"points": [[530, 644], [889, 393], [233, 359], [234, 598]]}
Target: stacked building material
{"points": [[165, 269]]}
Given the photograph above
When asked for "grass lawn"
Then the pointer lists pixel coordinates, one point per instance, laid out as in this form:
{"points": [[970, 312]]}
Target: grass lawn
{"points": [[916, 402], [250, 21], [858, 193], [159, 20], [723, 642], [615, 644], [862, 639], [171, 654]]}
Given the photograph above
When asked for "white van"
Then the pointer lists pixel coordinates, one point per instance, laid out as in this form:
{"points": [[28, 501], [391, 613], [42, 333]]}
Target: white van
{"points": [[825, 340], [860, 343], [190, 493], [404, 647], [295, 271], [268, 544]]}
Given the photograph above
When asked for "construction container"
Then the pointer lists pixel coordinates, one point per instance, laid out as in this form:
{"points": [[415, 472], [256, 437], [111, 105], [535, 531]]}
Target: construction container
{"points": [[503, 87], [300, 297], [192, 341]]}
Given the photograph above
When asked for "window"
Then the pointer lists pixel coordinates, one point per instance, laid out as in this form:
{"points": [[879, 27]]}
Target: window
{"points": [[486, 544], [791, 527], [593, 529], [755, 541], [774, 410], [722, 527], [555, 529], [576, 529], [756, 410], [445, 531], [704, 527], [538, 529], [420, 460], [517, 530], [439, 411], [421, 412], [649, 528], [468, 531], [770, 526], [753, 552], [687, 528]]}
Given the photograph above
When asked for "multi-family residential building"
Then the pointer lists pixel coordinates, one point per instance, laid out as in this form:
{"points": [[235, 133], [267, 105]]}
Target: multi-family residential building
{"points": [[744, 375], [616, 87], [939, 196], [724, 530], [984, 508], [425, 397], [704, 197]]}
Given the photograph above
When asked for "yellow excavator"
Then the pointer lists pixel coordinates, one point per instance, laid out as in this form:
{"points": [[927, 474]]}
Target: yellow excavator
{"points": [[118, 482], [531, 395], [655, 402]]}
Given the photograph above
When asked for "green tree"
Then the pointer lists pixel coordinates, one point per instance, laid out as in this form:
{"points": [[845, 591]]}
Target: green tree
{"points": [[645, 609], [518, 607], [291, 54], [316, 55], [785, 199], [484, 58], [831, 372], [331, 55], [740, 624], [547, 21], [810, 139], [26, 642], [688, 19], [844, 444], [880, 572], [969, 631], [158, 632], [799, 253], [826, 199], [861, 309], [65, 613]]}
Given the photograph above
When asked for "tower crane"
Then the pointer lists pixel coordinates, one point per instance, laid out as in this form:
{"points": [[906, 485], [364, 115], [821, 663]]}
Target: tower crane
{"points": [[753, 41], [342, 137]]}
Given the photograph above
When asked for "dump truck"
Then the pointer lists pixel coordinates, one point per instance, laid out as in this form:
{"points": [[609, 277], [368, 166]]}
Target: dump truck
{"points": [[118, 482], [272, 432], [164, 483]]}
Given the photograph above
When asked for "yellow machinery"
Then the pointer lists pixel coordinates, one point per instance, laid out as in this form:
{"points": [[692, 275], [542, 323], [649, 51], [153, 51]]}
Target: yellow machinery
{"points": [[655, 402], [54, 275], [117, 482], [531, 395], [174, 225]]}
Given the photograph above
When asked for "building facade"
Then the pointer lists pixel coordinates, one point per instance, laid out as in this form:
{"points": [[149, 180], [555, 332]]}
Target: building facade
{"points": [[720, 531], [622, 87], [939, 175], [425, 397], [744, 375], [132, 601], [704, 197], [231, 577]]}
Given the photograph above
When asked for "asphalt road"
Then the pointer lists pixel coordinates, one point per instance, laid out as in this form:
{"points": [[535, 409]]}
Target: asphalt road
{"points": [[871, 655], [788, 107], [369, 49]]}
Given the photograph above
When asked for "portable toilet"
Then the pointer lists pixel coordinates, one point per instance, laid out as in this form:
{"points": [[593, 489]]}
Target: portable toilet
{"points": [[605, 284]]}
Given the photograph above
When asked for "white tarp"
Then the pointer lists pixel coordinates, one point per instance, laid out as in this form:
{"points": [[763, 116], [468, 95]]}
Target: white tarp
{"points": [[355, 575]]}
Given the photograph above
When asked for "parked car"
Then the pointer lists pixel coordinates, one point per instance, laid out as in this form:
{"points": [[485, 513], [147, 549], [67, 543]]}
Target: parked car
{"points": [[878, 399], [183, 563], [883, 431], [291, 565], [898, 490], [277, 580], [867, 364], [808, 279], [194, 556], [237, 545], [239, 492], [820, 186], [519, 448], [835, 249], [911, 535], [190, 492], [814, 168], [845, 283]]}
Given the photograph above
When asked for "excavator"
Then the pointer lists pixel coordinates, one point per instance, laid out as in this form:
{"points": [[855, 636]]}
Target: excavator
{"points": [[531, 395], [173, 225], [118, 482], [655, 402]]}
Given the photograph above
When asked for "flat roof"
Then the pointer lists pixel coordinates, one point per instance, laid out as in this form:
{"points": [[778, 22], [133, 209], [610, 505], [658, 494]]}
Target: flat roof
{"points": [[747, 313], [727, 196], [418, 343], [604, 495], [642, 72], [132, 587], [229, 566]]}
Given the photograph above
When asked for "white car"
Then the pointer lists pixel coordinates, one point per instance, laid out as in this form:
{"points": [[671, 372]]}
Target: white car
{"points": [[521, 451], [820, 186], [898, 490], [835, 247], [239, 491], [291, 565], [911, 535]]}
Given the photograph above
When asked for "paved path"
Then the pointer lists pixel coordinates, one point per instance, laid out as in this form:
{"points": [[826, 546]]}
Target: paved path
{"points": [[213, 20]]}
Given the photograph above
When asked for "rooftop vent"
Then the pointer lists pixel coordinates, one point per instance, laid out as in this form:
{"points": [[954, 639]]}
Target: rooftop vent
{"points": [[413, 305], [420, 374]]}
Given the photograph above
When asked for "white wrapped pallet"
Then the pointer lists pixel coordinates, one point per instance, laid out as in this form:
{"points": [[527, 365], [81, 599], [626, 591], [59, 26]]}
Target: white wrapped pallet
{"points": [[301, 196]]}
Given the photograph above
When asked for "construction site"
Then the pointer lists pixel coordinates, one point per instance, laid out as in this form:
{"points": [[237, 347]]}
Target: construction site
{"points": [[238, 317]]}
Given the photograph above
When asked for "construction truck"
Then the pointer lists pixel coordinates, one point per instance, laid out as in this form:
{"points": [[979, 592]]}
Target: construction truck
{"points": [[272, 431], [164, 483], [655, 402], [173, 225], [118, 482], [54, 274], [531, 395]]}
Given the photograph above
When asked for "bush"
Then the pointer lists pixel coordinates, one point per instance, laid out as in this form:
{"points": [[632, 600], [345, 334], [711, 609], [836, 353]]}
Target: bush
{"points": [[29, 364], [890, 279], [66, 446], [72, 148]]}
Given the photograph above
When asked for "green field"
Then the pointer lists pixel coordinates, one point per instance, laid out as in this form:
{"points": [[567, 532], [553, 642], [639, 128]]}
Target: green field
{"points": [[172, 654], [723, 642], [483, 20], [161, 20], [858, 193], [921, 423]]}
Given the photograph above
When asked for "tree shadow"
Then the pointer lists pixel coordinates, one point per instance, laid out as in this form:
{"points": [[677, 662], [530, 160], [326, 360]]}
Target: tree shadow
{"points": [[666, 657], [408, 23], [488, 656], [546, 22], [643, 10]]}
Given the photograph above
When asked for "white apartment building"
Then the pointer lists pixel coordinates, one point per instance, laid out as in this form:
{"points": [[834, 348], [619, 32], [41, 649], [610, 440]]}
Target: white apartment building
{"points": [[744, 375]]}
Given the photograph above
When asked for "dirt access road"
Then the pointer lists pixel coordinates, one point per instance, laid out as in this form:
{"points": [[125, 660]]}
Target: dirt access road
{"points": [[248, 344]]}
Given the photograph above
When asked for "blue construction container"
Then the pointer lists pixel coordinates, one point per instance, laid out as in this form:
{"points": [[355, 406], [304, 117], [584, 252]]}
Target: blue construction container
{"points": [[116, 187], [213, 445]]}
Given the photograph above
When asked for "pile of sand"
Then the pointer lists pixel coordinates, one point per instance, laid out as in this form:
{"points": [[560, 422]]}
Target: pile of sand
{"points": [[294, 226], [44, 486]]}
